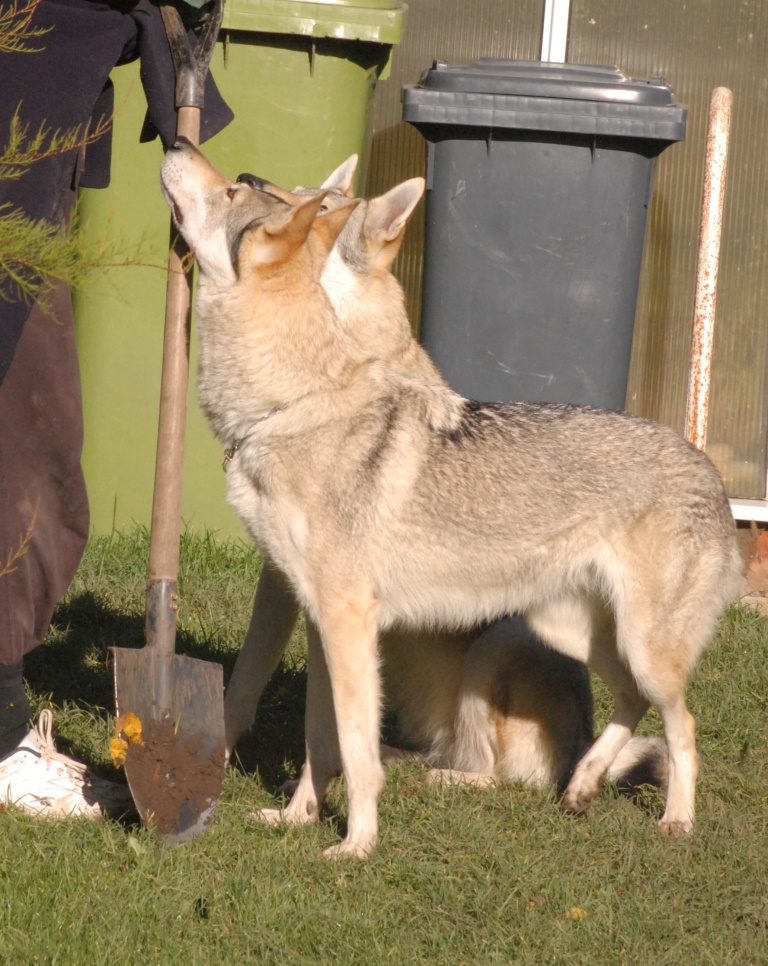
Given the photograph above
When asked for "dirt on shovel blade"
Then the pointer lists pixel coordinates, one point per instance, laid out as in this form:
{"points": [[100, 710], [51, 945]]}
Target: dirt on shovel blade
{"points": [[175, 778]]}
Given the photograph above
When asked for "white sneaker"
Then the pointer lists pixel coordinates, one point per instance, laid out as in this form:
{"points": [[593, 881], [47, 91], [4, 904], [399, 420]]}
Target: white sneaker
{"points": [[39, 780]]}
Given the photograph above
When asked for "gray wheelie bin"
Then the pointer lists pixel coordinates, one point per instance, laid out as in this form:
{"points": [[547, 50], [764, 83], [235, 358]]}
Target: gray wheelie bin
{"points": [[538, 185]]}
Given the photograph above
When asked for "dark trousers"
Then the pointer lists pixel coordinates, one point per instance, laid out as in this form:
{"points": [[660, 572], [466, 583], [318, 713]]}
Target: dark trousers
{"points": [[44, 521], [44, 518], [43, 504]]}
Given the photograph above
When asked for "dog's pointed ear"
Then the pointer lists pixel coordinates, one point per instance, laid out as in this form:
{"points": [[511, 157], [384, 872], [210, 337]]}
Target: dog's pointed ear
{"points": [[276, 240], [328, 226], [386, 218], [341, 179], [298, 219]]}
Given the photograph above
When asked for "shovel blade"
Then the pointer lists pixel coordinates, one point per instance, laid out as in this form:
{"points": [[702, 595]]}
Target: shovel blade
{"points": [[175, 770]]}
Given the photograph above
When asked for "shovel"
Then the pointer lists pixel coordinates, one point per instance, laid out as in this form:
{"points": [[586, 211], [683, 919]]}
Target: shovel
{"points": [[171, 708]]}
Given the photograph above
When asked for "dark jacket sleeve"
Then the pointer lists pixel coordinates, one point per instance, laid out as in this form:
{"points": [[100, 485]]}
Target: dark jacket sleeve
{"points": [[65, 85], [159, 80]]}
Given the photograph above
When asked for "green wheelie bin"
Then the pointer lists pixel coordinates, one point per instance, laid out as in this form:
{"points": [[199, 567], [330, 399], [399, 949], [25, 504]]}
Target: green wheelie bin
{"points": [[299, 76]]}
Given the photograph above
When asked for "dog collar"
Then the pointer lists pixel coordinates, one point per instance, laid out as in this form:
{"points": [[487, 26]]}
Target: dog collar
{"points": [[229, 454]]}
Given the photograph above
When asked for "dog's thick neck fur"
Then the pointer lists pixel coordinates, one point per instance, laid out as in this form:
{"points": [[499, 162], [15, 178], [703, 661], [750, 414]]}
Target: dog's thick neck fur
{"points": [[368, 300], [265, 313], [348, 314]]}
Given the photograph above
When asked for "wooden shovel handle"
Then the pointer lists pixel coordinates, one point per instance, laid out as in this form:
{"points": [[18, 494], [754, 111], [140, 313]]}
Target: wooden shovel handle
{"points": [[191, 67], [166, 505]]}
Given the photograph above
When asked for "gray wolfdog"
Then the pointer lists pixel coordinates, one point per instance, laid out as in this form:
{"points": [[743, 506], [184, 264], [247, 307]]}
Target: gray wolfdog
{"points": [[389, 499], [488, 704]]}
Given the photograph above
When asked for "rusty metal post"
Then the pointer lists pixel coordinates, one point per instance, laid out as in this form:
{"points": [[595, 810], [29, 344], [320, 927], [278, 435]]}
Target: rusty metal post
{"points": [[707, 266]]}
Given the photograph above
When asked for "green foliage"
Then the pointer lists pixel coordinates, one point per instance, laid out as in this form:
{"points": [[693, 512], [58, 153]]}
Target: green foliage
{"points": [[462, 875], [16, 32], [24, 149], [35, 254]]}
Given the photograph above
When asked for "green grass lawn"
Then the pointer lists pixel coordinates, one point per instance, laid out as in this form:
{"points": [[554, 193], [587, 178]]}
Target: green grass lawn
{"points": [[462, 875]]}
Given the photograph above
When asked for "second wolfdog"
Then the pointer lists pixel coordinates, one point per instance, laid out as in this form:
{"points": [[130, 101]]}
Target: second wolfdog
{"points": [[388, 499]]}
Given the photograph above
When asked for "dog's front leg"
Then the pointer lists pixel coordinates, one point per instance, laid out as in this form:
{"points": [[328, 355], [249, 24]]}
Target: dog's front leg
{"points": [[274, 616], [349, 637], [323, 760]]}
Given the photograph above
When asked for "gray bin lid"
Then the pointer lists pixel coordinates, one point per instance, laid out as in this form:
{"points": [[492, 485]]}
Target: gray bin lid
{"points": [[532, 95]]}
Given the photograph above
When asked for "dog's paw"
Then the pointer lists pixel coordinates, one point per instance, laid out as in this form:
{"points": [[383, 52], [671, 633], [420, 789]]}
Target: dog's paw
{"points": [[576, 804], [268, 816], [283, 816], [675, 830], [447, 776], [396, 756], [577, 800], [440, 776], [288, 788], [584, 787], [349, 850]]}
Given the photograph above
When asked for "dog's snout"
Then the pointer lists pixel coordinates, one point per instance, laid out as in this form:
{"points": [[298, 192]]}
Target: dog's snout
{"points": [[179, 143], [252, 181]]}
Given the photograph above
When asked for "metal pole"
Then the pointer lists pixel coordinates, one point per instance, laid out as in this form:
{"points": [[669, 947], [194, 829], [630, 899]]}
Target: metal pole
{"points": [[554, 34], [707, 267]]}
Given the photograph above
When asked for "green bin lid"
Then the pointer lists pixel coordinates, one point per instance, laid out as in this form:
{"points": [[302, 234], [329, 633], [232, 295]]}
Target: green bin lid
{"points": [[376, 21], [533, 95]]}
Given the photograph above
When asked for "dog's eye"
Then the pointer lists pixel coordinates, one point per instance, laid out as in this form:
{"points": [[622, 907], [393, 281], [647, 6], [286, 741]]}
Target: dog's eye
{"points": [[231, 192], [323, 208]]}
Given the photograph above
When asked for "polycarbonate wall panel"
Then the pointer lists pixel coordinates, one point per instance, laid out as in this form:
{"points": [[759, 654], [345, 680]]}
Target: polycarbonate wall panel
{"points": [[697, 46], [457, 31]]}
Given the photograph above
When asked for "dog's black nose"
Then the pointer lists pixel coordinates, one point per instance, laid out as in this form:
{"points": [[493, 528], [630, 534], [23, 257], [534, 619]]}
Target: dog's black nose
{"points": [[179, 143], [252, 181]]}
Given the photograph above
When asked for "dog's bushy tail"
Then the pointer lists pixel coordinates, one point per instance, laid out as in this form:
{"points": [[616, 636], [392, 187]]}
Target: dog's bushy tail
{"points": [[642, 761]]}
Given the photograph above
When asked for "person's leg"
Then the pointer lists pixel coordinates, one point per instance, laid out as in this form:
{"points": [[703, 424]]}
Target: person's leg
{"points": [[43, 506], [43, 530], [14, 709], [44, 520]]}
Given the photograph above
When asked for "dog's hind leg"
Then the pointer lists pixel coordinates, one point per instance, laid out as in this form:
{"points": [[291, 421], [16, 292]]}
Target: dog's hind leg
{"points": [[680, 732], [666, 615], [323, 759], [524, 710], [649, 666], [584, 629], [629, 708], [669, 615], [659, 660], [349, 635], [673, 642], [272, 621]]}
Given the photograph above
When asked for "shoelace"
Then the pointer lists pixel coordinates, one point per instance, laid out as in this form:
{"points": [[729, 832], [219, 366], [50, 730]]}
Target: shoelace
{"points": [[48, 751]]}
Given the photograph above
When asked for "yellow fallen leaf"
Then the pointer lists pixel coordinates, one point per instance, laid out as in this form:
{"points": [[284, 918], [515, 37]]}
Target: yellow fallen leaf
{"points": [[129, 725], [118, 749], [576, 914]]}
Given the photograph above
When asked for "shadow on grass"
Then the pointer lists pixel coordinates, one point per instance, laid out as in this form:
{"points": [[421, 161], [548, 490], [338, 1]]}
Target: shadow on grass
{"points": [[274, 747], [74, 662], [73, 665]]}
